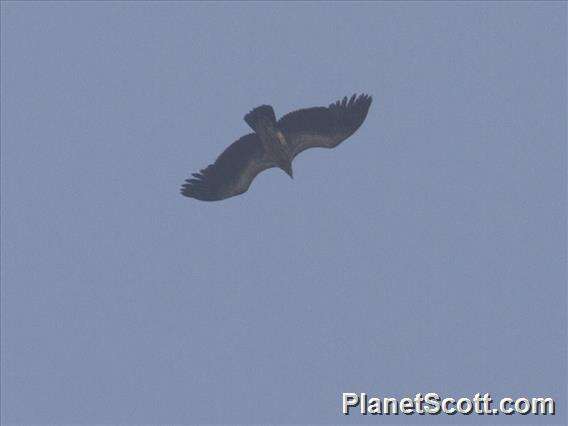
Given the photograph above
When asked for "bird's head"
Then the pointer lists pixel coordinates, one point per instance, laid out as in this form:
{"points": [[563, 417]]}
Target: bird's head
{"points": [[287, 167]]}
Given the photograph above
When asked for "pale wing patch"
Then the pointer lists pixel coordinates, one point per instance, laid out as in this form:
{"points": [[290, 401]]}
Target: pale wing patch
{"points": [[281, 138]]}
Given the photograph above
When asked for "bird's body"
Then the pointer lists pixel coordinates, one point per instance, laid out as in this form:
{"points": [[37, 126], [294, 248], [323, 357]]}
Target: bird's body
{"points": [[275, 144]]}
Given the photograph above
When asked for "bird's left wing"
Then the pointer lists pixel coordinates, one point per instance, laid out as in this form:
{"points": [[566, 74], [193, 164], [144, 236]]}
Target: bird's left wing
{"points": [[324, 127], [232, 172]]}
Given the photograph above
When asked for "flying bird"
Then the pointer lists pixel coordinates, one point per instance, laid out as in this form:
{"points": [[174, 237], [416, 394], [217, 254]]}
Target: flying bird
{"points": [[276, 144]]}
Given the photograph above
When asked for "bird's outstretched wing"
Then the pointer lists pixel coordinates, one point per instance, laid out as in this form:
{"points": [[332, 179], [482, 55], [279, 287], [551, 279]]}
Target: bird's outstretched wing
{"points": [[232, 172], [324, 127]]}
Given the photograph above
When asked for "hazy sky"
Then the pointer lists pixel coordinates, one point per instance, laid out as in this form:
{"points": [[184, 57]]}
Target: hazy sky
{"points": [[425, 254]]}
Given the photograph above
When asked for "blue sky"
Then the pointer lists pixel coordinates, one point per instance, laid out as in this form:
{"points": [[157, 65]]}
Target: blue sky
{"points": [[425, 254]]}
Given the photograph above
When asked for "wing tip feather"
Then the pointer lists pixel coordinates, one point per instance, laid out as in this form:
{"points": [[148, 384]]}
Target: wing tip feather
{"points": [[355, 101]]}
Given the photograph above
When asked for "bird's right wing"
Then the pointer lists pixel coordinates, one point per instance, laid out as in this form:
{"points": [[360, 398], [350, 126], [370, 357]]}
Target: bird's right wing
{"points": [[322, 127], [232, 172]]}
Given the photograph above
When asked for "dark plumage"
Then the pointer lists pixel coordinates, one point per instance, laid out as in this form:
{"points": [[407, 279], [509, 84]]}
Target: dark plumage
{"points": [[275, 144]]}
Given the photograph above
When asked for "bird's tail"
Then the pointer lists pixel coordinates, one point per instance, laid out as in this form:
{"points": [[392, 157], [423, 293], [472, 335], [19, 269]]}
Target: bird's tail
{"points": [[261, 117]]}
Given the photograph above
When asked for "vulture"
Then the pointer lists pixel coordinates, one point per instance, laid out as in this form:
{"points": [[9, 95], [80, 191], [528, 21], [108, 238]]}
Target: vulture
{"points": [[275, 143]]}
